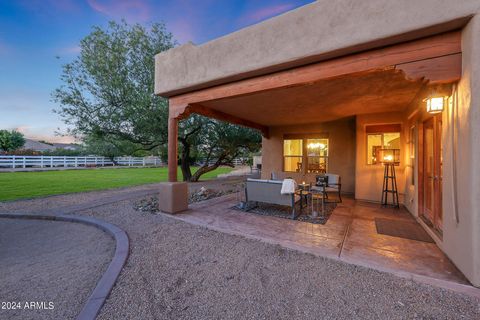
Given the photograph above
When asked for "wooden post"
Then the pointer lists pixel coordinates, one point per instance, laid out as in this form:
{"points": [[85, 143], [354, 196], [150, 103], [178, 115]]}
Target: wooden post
{"points": [[172, 149]]}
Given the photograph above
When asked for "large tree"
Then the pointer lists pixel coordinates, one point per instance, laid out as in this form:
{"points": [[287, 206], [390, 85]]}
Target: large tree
{"points": [[107, 91], [11, 140], [107, 97]]}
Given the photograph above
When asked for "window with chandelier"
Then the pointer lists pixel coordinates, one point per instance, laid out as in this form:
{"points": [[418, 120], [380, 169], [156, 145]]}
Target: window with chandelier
{"points": [[305, 155]]}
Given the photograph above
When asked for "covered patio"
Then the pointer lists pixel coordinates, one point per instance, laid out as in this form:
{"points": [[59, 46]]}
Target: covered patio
{"points": [[349, 235], [349, 108]]}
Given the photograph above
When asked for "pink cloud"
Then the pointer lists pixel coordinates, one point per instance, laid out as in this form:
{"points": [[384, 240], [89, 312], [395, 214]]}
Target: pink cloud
{"points": [[265, 13], [23, 129], [182, 30], [40, 133], [184, 19], [130, 10]]}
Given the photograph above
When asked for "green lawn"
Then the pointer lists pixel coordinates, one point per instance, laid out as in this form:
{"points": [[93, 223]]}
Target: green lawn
{"points": [[18, 185]]}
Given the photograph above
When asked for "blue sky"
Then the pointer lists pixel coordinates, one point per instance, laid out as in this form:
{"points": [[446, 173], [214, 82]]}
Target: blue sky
{"points": [[34, 32]]}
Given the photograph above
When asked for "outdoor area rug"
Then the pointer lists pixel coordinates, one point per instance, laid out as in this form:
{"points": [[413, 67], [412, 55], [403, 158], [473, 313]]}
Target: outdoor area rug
{"points": [[402, 229], [273, 210]]}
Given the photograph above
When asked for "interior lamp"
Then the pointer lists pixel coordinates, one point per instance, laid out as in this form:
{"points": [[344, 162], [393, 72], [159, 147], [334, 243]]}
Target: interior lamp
{"points": [[389, 156], [316, 146]]}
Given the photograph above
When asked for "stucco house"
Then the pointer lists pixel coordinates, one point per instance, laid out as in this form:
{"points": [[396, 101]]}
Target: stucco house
{"points": [[332, 84]]}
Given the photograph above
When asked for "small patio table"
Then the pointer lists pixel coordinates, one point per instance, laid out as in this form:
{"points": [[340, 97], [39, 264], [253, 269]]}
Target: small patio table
{"points": [[303, 192], [310, 194]]}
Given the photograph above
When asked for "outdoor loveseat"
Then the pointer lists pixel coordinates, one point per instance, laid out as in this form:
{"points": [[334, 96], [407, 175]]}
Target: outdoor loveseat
{"points": [[268, 191]]}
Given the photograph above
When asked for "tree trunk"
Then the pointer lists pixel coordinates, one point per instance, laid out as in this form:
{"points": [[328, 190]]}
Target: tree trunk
{"points": [[185, 161], [202, 170]]}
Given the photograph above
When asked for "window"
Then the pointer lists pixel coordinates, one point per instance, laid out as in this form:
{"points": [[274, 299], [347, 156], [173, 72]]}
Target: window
{"points": [[381, 137], [317, 155], [292, 155], [310, 151]]}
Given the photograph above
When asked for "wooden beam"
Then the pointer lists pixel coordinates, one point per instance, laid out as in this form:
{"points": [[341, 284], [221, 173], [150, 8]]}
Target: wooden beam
{"points": [[445, 69], [388, 57], [172, 149], [211, 113]]}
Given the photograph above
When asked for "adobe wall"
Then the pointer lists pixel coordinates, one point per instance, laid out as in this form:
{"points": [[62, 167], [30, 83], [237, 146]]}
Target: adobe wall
{"points": [[461, 240], [341, 158]]}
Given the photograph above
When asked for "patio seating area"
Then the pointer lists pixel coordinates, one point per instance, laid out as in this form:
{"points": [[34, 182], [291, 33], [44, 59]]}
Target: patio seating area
{"points": [[349, 235]]}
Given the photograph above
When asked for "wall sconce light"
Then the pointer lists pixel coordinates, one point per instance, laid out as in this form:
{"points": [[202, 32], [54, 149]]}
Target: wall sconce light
{"points": [[435, 103]]}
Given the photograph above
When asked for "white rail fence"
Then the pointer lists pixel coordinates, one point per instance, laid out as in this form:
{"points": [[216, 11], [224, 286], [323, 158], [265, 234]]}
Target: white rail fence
{"points": [[87, 161], [65, 161]]}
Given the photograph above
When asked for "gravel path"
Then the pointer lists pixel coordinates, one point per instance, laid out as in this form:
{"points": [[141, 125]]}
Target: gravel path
{"points": [[180, 271], [50, 261]]}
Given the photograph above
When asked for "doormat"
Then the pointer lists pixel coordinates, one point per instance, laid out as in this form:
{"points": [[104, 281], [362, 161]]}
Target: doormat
{"points": [[402, 229], [285, 212]]}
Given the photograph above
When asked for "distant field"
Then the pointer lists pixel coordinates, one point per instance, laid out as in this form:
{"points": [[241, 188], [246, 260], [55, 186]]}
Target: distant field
{"points": [[18, 185]]}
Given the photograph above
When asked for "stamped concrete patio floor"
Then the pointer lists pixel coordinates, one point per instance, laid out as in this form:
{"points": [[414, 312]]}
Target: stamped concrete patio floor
{"points": [[349, 235]]}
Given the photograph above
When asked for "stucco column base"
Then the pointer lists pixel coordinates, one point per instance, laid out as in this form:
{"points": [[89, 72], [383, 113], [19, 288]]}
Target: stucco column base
{"points": [[173, 197]]}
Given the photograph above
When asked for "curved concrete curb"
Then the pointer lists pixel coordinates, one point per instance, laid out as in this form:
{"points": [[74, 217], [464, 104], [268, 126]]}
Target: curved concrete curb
{"points": [[107, 281]]}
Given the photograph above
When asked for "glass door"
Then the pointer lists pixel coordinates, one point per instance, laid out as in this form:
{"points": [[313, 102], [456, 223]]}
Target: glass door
{"points": [[432, 172]]}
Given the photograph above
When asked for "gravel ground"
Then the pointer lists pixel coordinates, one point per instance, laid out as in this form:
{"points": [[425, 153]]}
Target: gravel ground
{"points": [[50, 261], [180, 271]]}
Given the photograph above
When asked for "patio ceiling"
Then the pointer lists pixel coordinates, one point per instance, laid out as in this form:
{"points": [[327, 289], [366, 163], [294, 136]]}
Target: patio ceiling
{"points": [[372, 91]]}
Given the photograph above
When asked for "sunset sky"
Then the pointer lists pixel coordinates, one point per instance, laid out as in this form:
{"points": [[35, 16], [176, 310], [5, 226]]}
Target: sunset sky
{"points": [[33, 33]]}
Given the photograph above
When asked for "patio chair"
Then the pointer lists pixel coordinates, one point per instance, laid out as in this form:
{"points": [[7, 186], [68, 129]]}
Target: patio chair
{"points": [[330, 183]]}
